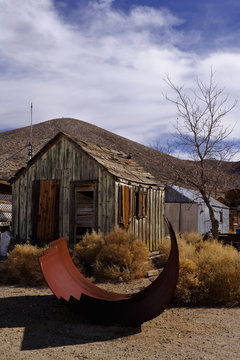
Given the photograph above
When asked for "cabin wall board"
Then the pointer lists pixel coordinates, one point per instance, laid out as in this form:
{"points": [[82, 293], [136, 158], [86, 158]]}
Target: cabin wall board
{"points": [[148, 227]]}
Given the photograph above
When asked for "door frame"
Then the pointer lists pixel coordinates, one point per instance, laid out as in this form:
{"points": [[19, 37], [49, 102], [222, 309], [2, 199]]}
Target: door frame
{"points": [[73, 186]]}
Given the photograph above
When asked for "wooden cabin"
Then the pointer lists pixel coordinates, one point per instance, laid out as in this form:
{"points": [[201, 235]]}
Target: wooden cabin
{"points": [[70, 187]]}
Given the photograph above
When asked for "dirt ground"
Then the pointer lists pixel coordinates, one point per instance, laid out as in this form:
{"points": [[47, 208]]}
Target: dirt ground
{"points": [[34, 325]]}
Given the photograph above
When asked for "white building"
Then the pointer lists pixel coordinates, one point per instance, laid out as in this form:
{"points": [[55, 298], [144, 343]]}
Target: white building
{"points": [[187, 211]]}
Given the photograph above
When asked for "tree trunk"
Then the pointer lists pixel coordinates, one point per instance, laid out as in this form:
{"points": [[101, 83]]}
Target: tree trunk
{"points": [[214, 221], [214, 227]]}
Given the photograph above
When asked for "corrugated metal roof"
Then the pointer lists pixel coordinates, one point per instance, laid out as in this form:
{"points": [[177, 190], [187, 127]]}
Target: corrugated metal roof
{"points": [[195, 196]]}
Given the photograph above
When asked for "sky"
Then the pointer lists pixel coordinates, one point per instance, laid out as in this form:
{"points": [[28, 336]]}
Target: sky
{"points": [[104, 61]]}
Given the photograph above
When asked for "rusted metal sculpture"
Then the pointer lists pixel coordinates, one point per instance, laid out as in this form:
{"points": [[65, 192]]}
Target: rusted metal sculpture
{"points": [[97, 305]]}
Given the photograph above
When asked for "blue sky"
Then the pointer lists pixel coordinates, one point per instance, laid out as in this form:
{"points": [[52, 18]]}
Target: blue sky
{"points": [[103, 61]]}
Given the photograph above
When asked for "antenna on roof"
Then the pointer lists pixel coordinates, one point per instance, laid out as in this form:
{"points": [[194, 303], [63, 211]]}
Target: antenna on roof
{"points": [[30, 142]]}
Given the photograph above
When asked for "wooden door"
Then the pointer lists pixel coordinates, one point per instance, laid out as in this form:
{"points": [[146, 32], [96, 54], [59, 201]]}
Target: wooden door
{"points": [[85, 209], [45, 210]]}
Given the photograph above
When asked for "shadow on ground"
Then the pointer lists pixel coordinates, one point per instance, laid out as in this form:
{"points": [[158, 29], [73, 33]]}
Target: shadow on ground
{"points": [[50, 324]]}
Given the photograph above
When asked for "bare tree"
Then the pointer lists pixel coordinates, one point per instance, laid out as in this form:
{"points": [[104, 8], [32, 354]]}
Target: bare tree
{"points": [[199, 132]]}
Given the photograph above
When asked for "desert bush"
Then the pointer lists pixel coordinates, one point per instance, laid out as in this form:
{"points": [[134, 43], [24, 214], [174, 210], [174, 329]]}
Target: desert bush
{"points": [[209, 272], [86, 251], [117, 254], [189, 286], [191, 237], [219, 271], [22, 266], [188, 244]]}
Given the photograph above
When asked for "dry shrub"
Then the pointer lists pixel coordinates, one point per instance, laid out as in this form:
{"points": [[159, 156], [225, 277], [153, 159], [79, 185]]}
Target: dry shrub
{"points": [[188, 244], [22, 266], [86, 251], [165, 246], [191, 237], [209, 271], [219, 271], [117, 254], [188, 286]]}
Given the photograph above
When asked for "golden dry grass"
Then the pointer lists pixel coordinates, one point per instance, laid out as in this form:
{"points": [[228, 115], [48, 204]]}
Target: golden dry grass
{"points": [[22, 266], [209, 272], [117, 254]]}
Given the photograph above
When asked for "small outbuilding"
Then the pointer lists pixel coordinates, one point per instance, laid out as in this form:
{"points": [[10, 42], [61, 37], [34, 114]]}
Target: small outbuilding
{"points": [[187, 211], [70, 187]]}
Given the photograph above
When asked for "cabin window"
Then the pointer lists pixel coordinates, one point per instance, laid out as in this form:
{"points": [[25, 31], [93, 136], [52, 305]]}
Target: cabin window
{"points": [[124, 205], [131, 203], [85, 219], [140, 206]]}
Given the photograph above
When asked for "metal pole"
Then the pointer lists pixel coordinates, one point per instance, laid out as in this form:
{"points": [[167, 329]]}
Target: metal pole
{"points": [[30, 142], [31, 124]]}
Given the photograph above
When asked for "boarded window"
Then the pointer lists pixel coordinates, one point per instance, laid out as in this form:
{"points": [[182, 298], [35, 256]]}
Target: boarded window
{"points": [[85, 209], [124, 205], [140, 206]]}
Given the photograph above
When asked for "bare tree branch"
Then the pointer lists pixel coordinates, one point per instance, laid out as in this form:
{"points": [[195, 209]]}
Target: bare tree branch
{"points": [[199, 131]]}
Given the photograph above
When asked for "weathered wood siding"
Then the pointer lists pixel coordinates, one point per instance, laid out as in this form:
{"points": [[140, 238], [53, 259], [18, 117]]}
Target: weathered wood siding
{"points": [[140, 209], [66, 164]]}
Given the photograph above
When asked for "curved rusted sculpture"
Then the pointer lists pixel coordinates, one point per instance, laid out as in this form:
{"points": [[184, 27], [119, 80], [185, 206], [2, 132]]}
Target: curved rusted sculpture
{"points": [[97, 305]]}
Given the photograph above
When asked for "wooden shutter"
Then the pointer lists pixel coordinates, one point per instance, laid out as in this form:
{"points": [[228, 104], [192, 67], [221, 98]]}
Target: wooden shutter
{"points": [[125, 206]]}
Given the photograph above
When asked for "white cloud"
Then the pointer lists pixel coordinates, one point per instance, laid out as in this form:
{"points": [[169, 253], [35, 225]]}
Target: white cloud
{"points": [[99, 65]]}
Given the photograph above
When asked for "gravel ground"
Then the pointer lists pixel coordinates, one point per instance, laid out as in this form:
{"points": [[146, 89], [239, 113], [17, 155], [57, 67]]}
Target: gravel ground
{"points": [[33, 325]]}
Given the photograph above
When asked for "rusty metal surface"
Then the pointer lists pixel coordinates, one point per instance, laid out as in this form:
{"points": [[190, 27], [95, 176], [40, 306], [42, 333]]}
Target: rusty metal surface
{"points": [[93, 304]]}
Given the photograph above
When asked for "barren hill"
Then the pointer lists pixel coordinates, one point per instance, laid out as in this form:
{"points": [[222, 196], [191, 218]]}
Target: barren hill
{"points": [[14, 147]]}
